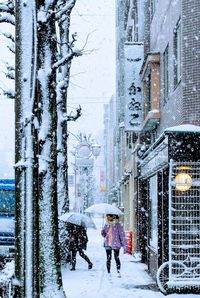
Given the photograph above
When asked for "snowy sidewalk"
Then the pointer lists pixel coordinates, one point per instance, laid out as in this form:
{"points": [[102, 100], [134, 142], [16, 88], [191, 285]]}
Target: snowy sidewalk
{"points": [[134, 283]]}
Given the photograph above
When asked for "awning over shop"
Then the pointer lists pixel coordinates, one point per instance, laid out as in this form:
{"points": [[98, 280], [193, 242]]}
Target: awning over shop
{"points": [[184, 128]]}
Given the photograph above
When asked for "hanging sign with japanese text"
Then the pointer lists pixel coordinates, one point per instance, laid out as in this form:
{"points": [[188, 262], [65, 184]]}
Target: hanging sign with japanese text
{"points": [[133, 86]]}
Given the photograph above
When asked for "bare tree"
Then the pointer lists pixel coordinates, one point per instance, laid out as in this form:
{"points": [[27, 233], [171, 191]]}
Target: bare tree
{"points": [[66, 52], [42, 78], [50, 275], [44, 52]]}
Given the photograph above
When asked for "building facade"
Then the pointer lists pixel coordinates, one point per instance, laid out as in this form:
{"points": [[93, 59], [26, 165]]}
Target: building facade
{"points": [[158, 121], [170, 78]]}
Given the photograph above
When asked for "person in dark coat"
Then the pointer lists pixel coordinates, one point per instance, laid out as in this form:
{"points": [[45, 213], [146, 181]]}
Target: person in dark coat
{"points": [[77, 243]]}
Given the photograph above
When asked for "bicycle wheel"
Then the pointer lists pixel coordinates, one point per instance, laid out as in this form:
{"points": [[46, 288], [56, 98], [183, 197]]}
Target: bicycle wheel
{"points": [[177, 269], [163, 277]]}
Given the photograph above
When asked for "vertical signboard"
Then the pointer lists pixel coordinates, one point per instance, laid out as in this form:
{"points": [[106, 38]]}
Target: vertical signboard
{"points": [[102, 181], [133, 86]]}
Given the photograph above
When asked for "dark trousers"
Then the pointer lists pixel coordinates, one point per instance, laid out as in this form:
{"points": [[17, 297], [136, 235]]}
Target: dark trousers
{"points": [[109, 257], [81, 253]]}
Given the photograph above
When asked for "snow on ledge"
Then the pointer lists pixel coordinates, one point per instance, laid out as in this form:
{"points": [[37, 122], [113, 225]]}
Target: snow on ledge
{"points": [[7, 273], [183, 128]]}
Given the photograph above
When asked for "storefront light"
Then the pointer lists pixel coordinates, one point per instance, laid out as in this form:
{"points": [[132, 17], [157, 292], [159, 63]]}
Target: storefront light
{"points": [[183, 182]]}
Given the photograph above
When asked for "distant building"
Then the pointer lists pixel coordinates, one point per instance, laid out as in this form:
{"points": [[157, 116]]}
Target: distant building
{"points": [[110, 149]]}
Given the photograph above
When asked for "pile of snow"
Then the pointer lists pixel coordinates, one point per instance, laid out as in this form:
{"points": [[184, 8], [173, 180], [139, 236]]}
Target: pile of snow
{"points": [[7, 273]]}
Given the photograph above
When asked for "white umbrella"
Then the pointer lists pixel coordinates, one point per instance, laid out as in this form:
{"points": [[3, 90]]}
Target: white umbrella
{"points": [[78, 219], [104, 208]]}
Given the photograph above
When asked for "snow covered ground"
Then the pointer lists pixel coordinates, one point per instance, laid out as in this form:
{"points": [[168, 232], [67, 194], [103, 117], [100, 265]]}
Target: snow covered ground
{"points": [[134, 283]]}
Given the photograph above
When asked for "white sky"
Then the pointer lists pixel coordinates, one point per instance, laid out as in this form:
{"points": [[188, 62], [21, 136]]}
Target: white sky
{"points": [[7, 139], [7, 136], [92, 80], [93, 75], [5, 57]]}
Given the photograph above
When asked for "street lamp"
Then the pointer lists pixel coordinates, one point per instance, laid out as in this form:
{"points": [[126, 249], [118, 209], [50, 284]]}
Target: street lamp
{"points": [[84, 151], [183, 181], [87, 150], [96, 149]]}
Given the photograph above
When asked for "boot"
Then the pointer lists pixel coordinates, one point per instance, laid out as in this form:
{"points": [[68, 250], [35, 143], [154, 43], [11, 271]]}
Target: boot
{"points": [[73, 269], [90, 265]]}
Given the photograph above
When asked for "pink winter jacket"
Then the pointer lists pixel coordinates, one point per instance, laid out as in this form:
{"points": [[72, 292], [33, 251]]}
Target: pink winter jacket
{"points": [[118, 236]]}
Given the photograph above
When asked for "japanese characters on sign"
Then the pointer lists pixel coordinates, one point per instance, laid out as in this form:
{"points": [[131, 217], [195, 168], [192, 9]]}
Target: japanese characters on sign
{"points": [[133, 87]]}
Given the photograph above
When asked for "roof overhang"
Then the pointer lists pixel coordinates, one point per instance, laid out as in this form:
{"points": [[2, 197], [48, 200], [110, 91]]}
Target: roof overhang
{"points": [[151, 121], [183, 129], [151, 57], [187, 129]]}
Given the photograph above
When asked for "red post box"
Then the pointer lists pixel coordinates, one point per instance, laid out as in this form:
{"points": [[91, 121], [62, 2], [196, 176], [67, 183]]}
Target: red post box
{"points": [[129, 235]]}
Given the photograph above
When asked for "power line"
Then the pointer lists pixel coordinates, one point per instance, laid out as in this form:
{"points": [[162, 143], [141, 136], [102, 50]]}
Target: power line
{"points": [[93, 15], [88, 102], [80, 97]]}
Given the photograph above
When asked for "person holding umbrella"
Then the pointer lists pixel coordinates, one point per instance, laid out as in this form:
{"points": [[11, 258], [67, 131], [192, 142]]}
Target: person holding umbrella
{"points": [[114, 239], [77, 243], [76, 240]]}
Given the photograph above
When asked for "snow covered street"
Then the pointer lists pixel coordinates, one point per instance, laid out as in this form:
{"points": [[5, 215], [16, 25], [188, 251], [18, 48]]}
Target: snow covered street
{"points": [[135, 282]]}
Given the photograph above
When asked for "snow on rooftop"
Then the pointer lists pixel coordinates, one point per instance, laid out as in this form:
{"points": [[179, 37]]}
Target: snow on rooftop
{"points": [[183, 128]]}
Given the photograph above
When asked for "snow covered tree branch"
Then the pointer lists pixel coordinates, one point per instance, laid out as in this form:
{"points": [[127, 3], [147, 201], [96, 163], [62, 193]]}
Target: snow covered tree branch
{"points": [[9, 36], [8, 7], [7, 18], [7, 10], [67, 58], [10, 72], [10, 93], [64, 8], [74, 117]]}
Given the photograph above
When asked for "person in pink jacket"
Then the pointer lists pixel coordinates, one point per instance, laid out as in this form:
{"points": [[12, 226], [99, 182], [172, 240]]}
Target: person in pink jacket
{"points": [[114, 239]]}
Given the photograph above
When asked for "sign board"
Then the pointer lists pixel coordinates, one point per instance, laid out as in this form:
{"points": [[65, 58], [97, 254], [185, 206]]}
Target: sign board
{"points": [[133, 87], [102, 181], [84, 162]]}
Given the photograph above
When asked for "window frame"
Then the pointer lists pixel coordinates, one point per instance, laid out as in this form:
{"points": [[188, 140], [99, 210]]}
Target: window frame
{"points": [[153, 196], [166, 73], [177, 54], [148, 93]]}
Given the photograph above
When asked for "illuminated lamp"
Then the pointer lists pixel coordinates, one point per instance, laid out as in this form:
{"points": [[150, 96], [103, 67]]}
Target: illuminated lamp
{"points": [[183, 181]]}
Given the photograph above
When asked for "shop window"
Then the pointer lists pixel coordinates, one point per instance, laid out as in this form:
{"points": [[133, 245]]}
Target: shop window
{"points": [[154, 211], [166, 73], [177, 53]]}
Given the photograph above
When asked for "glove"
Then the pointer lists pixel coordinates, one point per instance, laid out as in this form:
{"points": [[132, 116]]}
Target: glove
{"points": [[103, 233]]}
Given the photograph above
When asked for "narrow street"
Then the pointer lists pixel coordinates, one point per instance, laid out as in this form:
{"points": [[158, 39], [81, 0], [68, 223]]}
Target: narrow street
{"points": [[84, 283]]}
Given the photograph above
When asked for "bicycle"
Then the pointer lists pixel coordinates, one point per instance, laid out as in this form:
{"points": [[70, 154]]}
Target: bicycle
{"points": [[178, 274]]}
